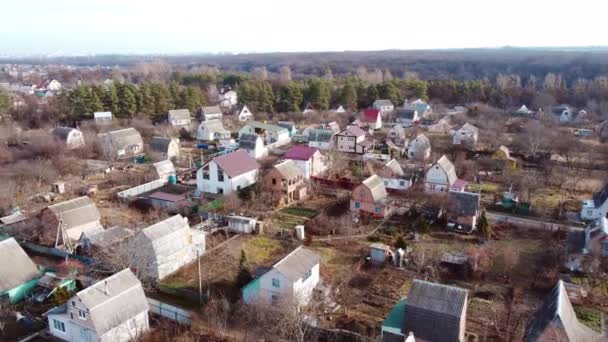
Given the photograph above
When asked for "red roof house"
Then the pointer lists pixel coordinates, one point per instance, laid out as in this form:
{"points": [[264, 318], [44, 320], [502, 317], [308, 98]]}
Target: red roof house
{"points": [[372, 117], [309, 160]]}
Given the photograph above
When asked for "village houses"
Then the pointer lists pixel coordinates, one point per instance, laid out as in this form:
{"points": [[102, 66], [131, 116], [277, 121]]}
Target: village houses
{"points": [[285, 182], [290, 281], [322, 139], [272, 135], [114, 309], [212, 130], [463, 211], [211, 113], [164, 169], [64, 222], [419, 148], [441, 177], [228, 98], [503, 154], [18, 273], [71, 137], [407, 116], [254, 145], [121, 144], [227, 173], [370, 198], [466, 136], [309, 160], [166, 147], [352, 140], [393, 175], [179, 118], [563, 113], [422, 108]]}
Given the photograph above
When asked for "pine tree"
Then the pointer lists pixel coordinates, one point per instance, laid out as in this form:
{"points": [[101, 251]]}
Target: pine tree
{"points": [[127, 103], [372, 95], [318, 94], [348, 96], [110, 100], [483, 226], [243, 276]]}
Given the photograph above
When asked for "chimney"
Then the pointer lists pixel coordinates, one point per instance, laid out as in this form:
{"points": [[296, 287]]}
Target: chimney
{"points": [[105, 290]]}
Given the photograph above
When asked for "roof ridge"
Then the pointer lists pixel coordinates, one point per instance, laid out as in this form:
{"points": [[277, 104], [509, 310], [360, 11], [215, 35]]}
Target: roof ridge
{"points": [[285, 257]]}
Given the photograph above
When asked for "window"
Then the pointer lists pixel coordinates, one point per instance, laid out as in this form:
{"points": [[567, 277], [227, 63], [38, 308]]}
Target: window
{"points": [[385, 182], [73, 303], [357, 205], [378, 209], [220, 175], [275, 299], [58, 325], [307, 275], [276, 282], [238, 188], [402, 183], [82, 314], [274, 181]]}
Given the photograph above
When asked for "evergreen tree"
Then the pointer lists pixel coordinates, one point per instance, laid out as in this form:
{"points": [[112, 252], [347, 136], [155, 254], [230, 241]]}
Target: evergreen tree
{"points": [[389, 91], [348, 96], [243, 277], [483, 226], [174, 94], [290, 97], [110, 99], [372, 95], [266, 98], [318, 94], [191, 98], [127, 103]]}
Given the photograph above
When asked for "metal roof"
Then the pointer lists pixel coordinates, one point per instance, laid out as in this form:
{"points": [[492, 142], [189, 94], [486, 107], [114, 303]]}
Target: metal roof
{"points": [[161, 144], [464, 203], [16, 267], [446, 165], [295, 265], [76, 212], [298, 152], [164, 168], [165, 196], [122, 138], [179, 114], [394, 166], [376, 185], [249, 141], [267, 127], [420, 142], [211, 110], [288, 169], [214, 125], [236, 163], [108, 237], [320, 135], [166, 227], [63, 132]]}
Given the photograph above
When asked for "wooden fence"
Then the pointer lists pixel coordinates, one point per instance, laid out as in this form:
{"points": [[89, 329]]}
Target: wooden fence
{"points": [[170, 312]]}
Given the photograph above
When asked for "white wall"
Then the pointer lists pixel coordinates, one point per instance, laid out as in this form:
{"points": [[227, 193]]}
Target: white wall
{"points": [[128, 331], [229, 185], [396, 183], [436, 179], [303, 289]]}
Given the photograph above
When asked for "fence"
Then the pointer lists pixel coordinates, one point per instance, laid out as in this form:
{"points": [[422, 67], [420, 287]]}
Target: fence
{"points": [[334, 183], [129, 194], [171, 312]]}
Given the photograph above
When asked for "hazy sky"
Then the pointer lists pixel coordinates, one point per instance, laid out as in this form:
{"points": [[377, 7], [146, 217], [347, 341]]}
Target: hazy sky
{"points": [[182, 26]]}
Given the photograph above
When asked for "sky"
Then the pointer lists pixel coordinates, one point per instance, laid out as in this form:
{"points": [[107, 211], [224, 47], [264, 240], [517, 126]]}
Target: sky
{"points": [[67, 27]]}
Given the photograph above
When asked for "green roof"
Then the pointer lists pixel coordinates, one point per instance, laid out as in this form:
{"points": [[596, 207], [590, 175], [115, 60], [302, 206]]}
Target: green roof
{"points": [[396, 316]]}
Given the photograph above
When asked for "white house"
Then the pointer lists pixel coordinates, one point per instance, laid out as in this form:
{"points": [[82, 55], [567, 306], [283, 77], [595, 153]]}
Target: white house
{"points": [[228, 98], [179, 118], [212, 130], [167, 147], [241, 224], [290, 281], [53, 85], [441, 176], [596, 207], [227, 173], [245, 114], [372, 117], [254, 145], [112, 310], [466, 136], [394, 177], [101, 117], [322, 139], [563, 113], [71, 137], [338, 110], [273, 135], [419, 148], [407, 116], [384, 106], [164, 169], [352, 140], [211, 113], [309, 160]]}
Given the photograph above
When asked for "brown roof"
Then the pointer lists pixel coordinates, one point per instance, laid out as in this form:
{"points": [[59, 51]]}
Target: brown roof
{"points": [[236, 163]]}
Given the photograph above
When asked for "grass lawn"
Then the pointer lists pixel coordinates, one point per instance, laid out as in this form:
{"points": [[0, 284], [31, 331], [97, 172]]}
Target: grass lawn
{"points": [[286, 221], [260, 249], [485, 187], [300, 211]]}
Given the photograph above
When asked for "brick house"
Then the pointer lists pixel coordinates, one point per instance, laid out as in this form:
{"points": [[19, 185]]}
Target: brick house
{"points": [[286, 182]]}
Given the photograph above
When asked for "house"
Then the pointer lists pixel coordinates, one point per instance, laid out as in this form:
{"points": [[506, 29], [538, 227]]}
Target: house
{"points": [[227, 173], [393, 175], [504, 154], [372, 118], [419, 148], [112, 310], [103, 240], [308, 109], [211, 113], [164, 247], [65, 222], [442, 126], [562, 113], [555, 320], [164, 169], [332, 126], [289, 126], [102, 117], [380, 253], [71, 137], [338, 110], [244, 114], [352, 140], [597, 206], [431, 312], [322, 139], [463, 211], [370, 198], [384, 106], [466, 136], [290, 281], [242, 224], [179, 118], [423, 108], [53, 85], [407, 116], [212, 130], [254, 145], [397, 132], [18, 273], [309, 160], [121, 144], [442, 177], [584, 245], [228, 98], [167, 147], [272, 135], [285, 182], [524, 111]]}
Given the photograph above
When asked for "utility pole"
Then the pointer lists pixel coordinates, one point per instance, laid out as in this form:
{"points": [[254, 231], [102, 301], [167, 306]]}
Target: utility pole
{"points": [[200, 279]]}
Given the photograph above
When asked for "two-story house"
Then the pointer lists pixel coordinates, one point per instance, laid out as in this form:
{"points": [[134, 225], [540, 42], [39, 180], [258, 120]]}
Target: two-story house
{"points": [[372, 118], [466, 136], [309, 160], [290, 281], [597, 206], [370, 198], [285, 182], [227, 173], [211, 113], [441, 177], [179, 118], [352, 140], [112, 310], [244, 114]]}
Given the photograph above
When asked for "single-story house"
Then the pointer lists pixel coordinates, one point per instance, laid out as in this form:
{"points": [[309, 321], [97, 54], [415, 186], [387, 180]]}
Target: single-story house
{"points": [[372, 117], [179, 118], [392, 174], [463, 211], [122, 143], [164, 169], [504, 154], [466, 136], [103, 240], [242, 224], [407, 116], [271, 134], [384, 106], [211, 113], [321, 138], [309, 160], [380, 253], [211, 130], [71, 137], [254, 145], [227, 173], [167, 147], [419, 148], [18, 273], [71, 218]]}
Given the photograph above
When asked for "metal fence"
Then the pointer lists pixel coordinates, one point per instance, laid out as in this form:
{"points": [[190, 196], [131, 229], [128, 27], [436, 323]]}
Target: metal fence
{"points": [[171, 312]]}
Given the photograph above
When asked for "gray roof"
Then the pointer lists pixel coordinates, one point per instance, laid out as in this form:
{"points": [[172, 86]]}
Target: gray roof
{"points": [[123, 137], [213, 126], [179, 114], [114, 300], [248, 141], [211, 110], [62, 132], [383, 102], [420, 142], [166, 227], [320, 135], [433, 311], [448, 167], [557, 316], [109, 237], [559, 110], [464, 203], [405, 113], [297, 263], [161, 144], [286, 124], [16, 267], [164, 168], [376, 185], [76, 212], [288, 169], [394, 166]]}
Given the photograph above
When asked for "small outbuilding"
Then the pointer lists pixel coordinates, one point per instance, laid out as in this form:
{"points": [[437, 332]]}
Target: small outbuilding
{"points": [[18, 273], [71, 137], [167, 147]]}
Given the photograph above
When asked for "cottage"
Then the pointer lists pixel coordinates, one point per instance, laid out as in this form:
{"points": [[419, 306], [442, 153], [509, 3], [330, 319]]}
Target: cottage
{"points": [[165, 247], [466, 136], [179, 118], [71, 137], [584, 245], [167, 147], [372, 117], [227, 173], [504, 154], [164, 169], [352, 140], [18, 273], [290, 281], [309, 160], [370, 198], [53, 85], [254, 145], [244, 114], [407, 116], [422, 108], [102, 117], [112, 310], [442, 177], [121, 144], [597, 206], [104, 240], [322, 139], [272, 135], [463, 211], [211, 113], [212, 130], [393, 175], [555, 320], [384, 106], [242, 224], [228, 98], [442, 126], [419, 148], [397, 132], [563, 113], [65, 222], [431, 311], [286, 182]]}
